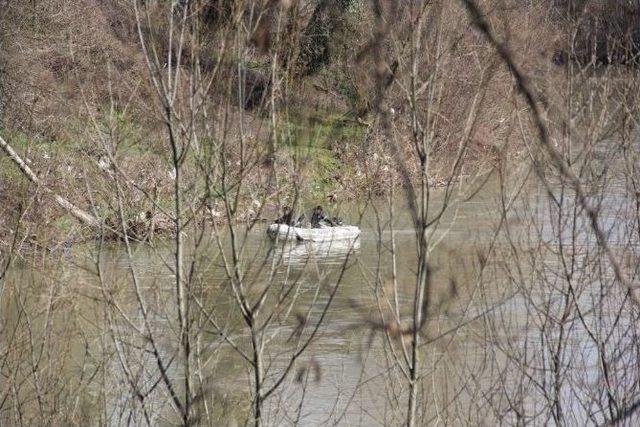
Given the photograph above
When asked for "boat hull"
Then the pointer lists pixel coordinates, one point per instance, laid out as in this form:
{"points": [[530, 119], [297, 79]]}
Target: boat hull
{"points": [[298, 254], [322, 234]]}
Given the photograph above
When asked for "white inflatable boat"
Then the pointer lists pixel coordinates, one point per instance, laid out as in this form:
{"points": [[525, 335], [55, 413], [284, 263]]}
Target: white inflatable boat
{"points": [[322, 234]]}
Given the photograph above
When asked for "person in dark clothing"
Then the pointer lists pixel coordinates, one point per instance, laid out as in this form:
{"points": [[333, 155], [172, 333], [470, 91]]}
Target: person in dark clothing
{"points": [[287, 217], [318, 218], [302, 219]]}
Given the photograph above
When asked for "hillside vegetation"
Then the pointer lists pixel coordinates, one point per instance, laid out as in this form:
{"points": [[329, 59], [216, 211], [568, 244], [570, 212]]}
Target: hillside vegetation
{"points": [[309, 87]]}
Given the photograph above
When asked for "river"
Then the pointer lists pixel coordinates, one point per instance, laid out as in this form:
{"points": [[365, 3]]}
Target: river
{"points": [[523, 320]]}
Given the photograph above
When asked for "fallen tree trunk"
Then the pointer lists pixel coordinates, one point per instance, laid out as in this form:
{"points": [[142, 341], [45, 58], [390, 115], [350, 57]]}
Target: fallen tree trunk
{"points": [[72, 209]]}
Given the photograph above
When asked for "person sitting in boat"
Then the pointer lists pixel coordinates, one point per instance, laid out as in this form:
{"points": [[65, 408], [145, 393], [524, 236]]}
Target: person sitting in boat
{"points": [[318, 218], [287, 217]]}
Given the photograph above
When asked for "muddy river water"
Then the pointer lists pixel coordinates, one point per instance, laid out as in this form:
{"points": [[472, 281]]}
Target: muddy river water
{"points": [[525, 323]]}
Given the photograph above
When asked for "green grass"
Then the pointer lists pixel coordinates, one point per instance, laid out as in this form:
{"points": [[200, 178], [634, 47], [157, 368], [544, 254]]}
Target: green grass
{"points": [[321, 129], [65, 223], [314, 141]]}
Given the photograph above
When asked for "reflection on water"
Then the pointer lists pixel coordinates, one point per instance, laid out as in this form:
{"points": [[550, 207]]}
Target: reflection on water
{"points": [[513, 324]]}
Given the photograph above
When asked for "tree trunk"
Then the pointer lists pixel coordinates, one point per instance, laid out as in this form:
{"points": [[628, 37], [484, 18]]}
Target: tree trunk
{"points": [[72, 209]]}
